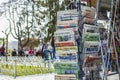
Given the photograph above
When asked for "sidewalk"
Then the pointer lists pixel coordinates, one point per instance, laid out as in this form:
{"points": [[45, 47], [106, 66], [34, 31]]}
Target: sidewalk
{"points": [[44, 77], [30, 77], [113, 77]]}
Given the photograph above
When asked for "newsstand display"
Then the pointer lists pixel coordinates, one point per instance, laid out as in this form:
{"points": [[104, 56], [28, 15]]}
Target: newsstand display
{"points": [[66, 48], [99, 43]]}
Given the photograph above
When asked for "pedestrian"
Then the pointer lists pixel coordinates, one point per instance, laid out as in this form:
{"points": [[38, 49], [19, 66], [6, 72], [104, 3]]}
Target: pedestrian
{"points": [[53, 47], [50, 52], [47, 52], [14, 53], [21, 52], [31, 52], [26, 52], [39, 52], [2, 51], [42, 50]]}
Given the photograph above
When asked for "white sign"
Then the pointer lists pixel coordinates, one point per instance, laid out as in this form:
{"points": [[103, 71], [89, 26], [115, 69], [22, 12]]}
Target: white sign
{"points": [[67, 15], [90, 28], [91, 47], [68, 23], [67, 31], [68, 18]]}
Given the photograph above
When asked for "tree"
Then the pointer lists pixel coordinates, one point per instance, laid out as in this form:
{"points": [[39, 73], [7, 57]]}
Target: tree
{"points": [[6, 33], [33, 42], [51, 15], [32, 17], [24, 18]]}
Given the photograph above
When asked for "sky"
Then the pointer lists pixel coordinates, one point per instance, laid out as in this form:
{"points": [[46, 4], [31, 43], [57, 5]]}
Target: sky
{"points": [[4, 25]]}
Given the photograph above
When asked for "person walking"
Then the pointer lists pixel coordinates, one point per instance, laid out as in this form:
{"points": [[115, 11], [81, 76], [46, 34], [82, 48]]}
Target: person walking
{"points": [[53, 47]]}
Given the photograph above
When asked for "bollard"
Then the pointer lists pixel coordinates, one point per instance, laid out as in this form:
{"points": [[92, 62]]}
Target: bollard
{"points": [[15, 71]]}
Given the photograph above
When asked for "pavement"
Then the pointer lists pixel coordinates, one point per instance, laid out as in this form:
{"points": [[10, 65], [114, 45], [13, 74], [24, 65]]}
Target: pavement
{"points": [[113, 77], [30, 77], [44, 77]]}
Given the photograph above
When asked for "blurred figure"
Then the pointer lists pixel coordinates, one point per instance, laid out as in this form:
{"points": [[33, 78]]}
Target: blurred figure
{"points": [[2, 51], [53, 47], [26, 52], [47, 52], [14, 53], [50, 52], [43, 47], [39, 53], [21, 53], [31, 52]]}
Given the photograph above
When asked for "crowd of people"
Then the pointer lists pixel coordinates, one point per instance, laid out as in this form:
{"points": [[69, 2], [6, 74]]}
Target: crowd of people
{"points": [[47, 51]]}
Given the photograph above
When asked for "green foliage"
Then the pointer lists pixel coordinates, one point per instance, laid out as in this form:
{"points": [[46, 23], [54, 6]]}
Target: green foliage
{"points": [[52, 7], [64, 3], [23, 70]]}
